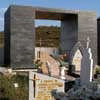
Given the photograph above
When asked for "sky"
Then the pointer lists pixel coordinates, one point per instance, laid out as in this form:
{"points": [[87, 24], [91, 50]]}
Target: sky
{"points": [[90, 5]]}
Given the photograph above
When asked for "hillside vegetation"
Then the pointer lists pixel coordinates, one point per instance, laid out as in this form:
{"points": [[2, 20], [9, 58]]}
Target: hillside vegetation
{"points": [[8, 91], [46, 36]]}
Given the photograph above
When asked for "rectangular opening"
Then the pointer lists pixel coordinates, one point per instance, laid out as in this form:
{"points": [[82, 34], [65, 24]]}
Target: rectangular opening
{"points": [[47, 33]]}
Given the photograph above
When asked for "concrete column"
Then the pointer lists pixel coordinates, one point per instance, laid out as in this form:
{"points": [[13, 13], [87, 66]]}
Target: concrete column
{"points": [[98, 41], [69, 33], [87, 28], [20, 36]]}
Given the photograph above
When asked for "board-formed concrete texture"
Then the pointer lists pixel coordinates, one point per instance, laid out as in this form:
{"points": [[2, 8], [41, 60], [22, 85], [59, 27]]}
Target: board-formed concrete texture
{"points": [[19, 36], [98, 41], [76, 26]]}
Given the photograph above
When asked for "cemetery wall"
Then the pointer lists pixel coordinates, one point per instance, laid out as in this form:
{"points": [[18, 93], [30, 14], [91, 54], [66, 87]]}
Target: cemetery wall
{"points": [[41, 86]]}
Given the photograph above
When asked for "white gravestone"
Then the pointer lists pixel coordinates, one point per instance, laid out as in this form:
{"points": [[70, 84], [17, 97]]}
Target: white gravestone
{"points": [[77, 61], [86, 65], [63, 73]]}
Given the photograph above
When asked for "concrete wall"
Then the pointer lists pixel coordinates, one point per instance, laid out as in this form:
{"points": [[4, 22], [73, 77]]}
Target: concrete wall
{"points": [[87, 27], [7, 28], [98, 41], [19, 30], [78, 28], [69, 33]]}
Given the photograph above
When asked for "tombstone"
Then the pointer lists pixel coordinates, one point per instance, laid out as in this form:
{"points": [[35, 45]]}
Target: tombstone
{"points": [[86, 67], [63, 72], [41, 86], [77, 61]]}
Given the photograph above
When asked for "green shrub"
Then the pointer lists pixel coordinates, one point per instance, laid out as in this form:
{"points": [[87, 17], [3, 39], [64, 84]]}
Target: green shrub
{"points": [[98, 70], [9, 92]]}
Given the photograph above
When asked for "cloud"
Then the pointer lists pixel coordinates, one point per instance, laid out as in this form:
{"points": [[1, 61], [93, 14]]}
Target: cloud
{"points": [[2, 11], [1, 25], [1, 19]]}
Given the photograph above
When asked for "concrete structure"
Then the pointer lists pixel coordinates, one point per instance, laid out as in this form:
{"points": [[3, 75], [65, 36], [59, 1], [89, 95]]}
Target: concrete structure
{"points": [[98, 40], [20, 32], [19, 36]]}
